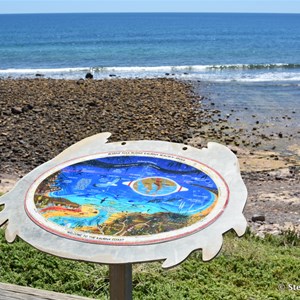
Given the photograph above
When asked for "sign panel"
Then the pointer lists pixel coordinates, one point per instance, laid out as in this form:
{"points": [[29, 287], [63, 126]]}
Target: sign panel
{"points": [[129, 198], [128, 202]]}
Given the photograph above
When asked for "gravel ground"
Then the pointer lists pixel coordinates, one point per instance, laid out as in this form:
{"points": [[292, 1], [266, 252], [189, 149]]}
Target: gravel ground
{"points": [[41, 117]]}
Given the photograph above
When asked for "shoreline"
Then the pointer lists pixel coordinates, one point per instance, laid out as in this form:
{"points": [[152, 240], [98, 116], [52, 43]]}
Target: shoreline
{"points": [[42, 117]]}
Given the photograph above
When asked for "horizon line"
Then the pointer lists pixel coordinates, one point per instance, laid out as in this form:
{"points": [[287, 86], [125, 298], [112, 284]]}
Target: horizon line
{"points": [[145, 12]]}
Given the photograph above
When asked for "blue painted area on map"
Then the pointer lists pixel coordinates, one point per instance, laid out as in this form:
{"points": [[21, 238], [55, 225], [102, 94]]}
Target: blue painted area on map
{"points": [[107, 184]]}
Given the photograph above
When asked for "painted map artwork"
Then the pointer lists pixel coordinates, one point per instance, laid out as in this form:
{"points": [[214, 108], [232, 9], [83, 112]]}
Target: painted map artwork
{"points": [[126, 199]]}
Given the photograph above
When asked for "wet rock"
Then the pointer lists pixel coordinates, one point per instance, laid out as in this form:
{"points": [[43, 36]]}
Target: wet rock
{"points": [[89, 76]]}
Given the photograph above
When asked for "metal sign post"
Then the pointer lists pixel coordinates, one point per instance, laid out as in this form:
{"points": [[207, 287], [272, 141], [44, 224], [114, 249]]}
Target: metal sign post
{"points": [[128, 202], [120, 278]]}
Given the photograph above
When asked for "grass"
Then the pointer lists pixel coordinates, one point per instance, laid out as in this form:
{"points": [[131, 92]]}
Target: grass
{"points": [[247, 268]]}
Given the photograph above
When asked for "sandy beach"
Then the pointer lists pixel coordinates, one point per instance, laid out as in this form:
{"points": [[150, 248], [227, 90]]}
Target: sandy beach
{"points": [[41, 117]]}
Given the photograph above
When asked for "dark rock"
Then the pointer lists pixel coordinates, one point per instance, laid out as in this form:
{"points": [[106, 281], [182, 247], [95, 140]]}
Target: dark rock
{"points": [[80, 81], [92, 103], [258, 218], [112, 75], [89, 76], [27, 107], [6, 112], [16, 110], [39, 75], [292, 170]]}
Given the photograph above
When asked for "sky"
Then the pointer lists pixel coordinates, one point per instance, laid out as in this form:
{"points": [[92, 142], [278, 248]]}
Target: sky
{"points": [[62, 6]]}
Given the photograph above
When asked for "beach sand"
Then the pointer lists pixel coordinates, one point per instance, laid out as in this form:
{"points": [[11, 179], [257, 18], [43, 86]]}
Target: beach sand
{"points": [[42, 117]]}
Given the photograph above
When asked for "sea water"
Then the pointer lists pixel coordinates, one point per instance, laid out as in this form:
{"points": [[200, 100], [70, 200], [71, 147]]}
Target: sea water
{"points": [[218, 47], [240, 60]]}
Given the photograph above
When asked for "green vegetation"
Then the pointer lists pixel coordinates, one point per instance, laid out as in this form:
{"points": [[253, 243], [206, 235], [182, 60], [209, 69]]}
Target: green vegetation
{"points": [[247, 268]]}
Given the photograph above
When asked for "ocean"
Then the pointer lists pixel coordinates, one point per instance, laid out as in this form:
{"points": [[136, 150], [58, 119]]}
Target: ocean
{"points": [[218, 47], [237, 59]]}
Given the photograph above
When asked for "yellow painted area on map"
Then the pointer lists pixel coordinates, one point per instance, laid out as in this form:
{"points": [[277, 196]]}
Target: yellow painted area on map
{"points": [[85, 211]]}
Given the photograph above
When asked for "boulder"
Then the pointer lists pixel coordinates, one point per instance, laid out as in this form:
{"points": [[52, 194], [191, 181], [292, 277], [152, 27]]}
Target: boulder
{"points": [[89, 76]]}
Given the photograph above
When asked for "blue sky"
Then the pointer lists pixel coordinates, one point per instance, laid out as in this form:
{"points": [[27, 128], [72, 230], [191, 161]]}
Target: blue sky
{"points": [[44, 6]]}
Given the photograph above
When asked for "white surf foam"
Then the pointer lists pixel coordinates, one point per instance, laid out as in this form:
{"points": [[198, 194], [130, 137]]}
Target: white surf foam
{"points": [[237, 72]]}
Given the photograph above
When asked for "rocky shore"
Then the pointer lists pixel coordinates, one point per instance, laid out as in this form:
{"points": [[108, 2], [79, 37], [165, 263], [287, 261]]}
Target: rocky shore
{"points": [[41, 117]]}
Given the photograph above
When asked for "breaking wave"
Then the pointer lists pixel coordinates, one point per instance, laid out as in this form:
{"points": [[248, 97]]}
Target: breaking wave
{"points": [[226, 72], [254, 66]]}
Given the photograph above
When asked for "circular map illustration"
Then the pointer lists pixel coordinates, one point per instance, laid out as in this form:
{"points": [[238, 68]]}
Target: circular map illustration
{"points": [[127, 198]]}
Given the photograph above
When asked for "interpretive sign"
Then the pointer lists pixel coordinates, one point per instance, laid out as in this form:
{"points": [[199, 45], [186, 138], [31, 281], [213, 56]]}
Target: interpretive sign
{"points": [[127, 198], [128, 202]]}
